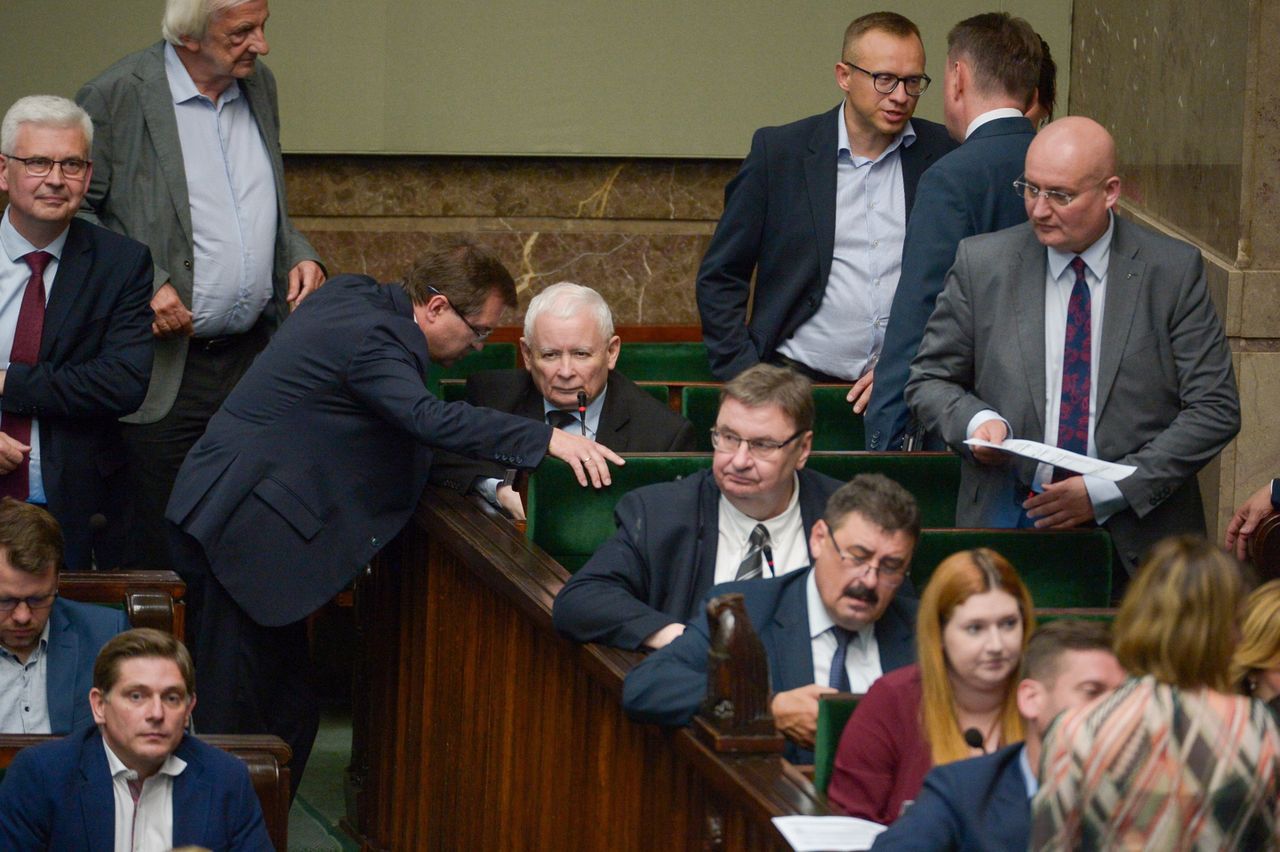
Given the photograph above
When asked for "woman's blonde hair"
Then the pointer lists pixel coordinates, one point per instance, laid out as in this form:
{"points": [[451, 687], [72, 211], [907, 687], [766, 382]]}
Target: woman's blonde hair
{"points": [[958, 578], [1259, 647]]}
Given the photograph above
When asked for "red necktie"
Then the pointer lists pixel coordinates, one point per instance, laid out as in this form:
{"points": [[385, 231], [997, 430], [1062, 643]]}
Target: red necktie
{"points": [[1077, 356], [26, 350]]}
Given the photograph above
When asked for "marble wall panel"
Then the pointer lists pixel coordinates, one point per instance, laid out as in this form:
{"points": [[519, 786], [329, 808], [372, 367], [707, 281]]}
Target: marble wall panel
{"points": [[1256, 455]]}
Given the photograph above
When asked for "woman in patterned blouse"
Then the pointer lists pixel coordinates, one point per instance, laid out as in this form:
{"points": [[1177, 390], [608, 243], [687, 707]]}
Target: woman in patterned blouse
{"points": [[1171, 760]]}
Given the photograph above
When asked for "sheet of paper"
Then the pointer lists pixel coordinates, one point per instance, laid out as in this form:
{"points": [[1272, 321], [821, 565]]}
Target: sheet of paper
{"points": [[830, 833], [1037, 451]]}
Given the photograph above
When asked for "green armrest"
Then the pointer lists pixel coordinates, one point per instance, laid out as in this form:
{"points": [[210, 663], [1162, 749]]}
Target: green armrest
{"points": [[494, 356], [834, 710], [835, 426], [665, 362]]}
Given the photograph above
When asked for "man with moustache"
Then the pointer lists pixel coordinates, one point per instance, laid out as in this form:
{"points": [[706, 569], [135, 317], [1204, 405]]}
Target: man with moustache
{"points": [[1086, 331], [569, 351], [187, 160], [817, 216], [833, 628], [749, 516]]}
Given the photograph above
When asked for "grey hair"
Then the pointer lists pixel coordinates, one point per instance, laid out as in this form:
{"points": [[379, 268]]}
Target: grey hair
{"points": [[563, 301], [45, 111], [191, 18]]}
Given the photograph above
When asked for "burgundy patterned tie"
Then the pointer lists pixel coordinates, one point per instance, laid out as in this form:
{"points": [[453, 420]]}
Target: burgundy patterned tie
{"points": [[1077, 354], [26, 350]]}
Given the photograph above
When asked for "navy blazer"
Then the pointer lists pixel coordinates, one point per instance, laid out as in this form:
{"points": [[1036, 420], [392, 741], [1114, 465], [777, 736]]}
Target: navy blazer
{"points": [[320, 454], [975, 805], [631, 421], [668, 687], [95, 361], [658, 566], [968, 192], [77, 632], [779, 222], [58, 795]]}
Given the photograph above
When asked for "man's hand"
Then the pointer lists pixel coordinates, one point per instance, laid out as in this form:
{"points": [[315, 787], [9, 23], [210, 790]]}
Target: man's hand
{"points": [[795, 713], [665, 636], [585, 456], [860, 393], [995, 431], [304, 279], [509, 499], [11, 452], [172, 319], [1062, 506], [1246, 519]]}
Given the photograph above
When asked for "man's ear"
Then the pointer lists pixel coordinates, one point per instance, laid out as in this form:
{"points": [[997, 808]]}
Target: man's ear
{"points": [[1031, 699], [98, 704]]}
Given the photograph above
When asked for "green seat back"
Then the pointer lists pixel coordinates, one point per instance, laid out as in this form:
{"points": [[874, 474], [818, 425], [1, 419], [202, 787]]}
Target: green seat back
{"points": [[835, 426], [834, 711], [1062, 568], [657, 390], [934, 478], [665, 362], [494, 356]]}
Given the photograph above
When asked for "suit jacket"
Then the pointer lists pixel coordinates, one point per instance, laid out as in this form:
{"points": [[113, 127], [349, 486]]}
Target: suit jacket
{"points": [[1166, 394], [967, 192], [139, 188], [669, 685], [779, 222], [975, 805], [658, 566], [95, 359], [58, 795], [631, 421], [77, 632], [320, 454]]}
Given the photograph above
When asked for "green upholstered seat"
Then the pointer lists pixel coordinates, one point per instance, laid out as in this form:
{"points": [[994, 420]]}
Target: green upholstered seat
{"points": [[657, 390], [494, 356], [934, 478], [1062, 568], [835, 427], [834, 710], [665, 362]]}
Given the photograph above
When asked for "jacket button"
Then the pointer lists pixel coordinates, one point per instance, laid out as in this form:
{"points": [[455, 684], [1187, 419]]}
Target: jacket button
{"points": [[186, 264], [375, 542]]}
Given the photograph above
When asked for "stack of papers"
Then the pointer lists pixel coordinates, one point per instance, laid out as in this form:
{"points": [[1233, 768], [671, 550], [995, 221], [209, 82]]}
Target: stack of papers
{"points": [[827, 833]]}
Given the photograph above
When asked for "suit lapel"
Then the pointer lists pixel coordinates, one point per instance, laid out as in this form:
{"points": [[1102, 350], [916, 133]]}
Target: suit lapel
{"points": [[64, 652], [708, 532], [1027, 280], [792, 647], [1125, 274], [162, 125], [614, 417], [530, 403], [192, 799], [820, 182], [895, 639], [73, 272], [97, 798]]}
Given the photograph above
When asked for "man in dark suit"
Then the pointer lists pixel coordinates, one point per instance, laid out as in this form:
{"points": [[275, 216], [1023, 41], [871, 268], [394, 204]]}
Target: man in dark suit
{"points": [[317, 459], [993, 63], [833, 628], [187, 160], [1086, 331], [983, 804], [135, 780], [818, 213], [47, 643], [74, 328], [569, 351], [675, 540]]}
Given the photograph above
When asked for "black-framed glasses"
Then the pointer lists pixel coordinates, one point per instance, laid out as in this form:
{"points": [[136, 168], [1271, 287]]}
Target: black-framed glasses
{"points": [[1056, 197], [72, 167], [761, 448], [885, 83], [33, 603], [891, 574], [481, 334]]}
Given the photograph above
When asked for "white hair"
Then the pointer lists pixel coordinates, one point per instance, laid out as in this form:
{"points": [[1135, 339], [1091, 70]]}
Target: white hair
{"points": [[564, 301], [191, 18], [45, 111]]}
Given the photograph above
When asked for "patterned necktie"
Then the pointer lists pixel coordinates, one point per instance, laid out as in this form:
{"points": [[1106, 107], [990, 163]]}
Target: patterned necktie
{"points": [[839, 677], [562, 419], [1077, 355], [25, 350], [752, 565]]}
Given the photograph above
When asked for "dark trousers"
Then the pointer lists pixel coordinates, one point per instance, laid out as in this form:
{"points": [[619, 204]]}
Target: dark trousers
{"points": [[780, 360], [250, 679], [155, 451]]}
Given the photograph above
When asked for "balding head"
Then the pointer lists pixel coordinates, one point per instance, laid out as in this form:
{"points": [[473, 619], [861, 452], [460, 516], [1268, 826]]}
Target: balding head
{"points": [[1074, 157]]}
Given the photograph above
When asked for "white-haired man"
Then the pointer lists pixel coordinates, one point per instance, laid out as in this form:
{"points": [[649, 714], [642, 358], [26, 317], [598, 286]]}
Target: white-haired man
{"points": [[187, 160], [569, 351]]}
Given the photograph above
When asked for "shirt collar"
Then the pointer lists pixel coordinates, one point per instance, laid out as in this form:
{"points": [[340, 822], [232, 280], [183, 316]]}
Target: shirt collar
{"points": [[15, 245], [775, 524], [992, 115], [182, 87], [1096, 256], [591, 414], [42, 647], [819, 619], [172, 766], [1028, 776], [905, 138]]}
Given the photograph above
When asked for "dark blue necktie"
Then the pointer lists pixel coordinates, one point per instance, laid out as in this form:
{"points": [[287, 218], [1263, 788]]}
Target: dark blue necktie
{"points": [[1077, 355], [839, 677]]}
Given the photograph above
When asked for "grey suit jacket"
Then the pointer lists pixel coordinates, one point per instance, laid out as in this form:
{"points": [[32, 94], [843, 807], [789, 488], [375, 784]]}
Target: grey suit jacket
{"points": [[1166, 395], [139, 188]]}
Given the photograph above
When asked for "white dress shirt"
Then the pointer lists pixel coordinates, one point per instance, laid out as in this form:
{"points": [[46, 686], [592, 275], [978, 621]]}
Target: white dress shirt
{"points": [[147, 826], [861, 656], [786, 538], [24, 690]]}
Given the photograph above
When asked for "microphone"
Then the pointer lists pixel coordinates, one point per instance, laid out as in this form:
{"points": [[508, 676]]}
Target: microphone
{"points": [[582, 411], [768, 558], [973, 739]]}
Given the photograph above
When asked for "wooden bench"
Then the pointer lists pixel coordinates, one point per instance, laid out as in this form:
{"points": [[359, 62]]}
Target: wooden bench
{"points": [[149, 598]]}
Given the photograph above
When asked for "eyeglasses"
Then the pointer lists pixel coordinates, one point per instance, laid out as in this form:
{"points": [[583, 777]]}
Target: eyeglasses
{"points": [[885, 83], [33, 603], [890, 574], [481, 334], [760, 448], [41, 166], [1056, 197]]}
